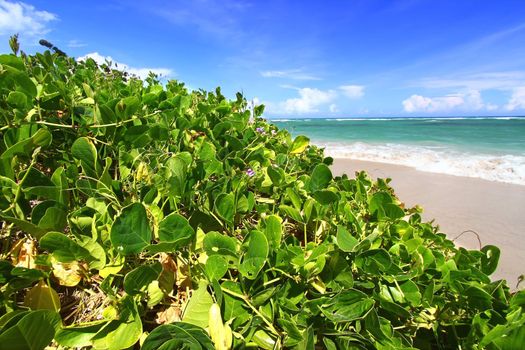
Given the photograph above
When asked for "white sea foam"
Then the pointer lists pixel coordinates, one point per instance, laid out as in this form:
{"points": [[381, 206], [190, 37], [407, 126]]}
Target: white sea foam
{"points": [[501, 168], [282, 120]]}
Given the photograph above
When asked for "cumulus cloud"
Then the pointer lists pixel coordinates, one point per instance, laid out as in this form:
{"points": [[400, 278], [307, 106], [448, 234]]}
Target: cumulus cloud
{"points": [[309, 101], [353, 91], [517, 100], [22, 18], [140, 72], [470, 100], [294, 74], [333, 108]]}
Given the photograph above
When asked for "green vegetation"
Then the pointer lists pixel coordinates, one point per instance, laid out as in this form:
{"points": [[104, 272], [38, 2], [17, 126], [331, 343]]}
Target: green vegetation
{"points": [[137, 214]]}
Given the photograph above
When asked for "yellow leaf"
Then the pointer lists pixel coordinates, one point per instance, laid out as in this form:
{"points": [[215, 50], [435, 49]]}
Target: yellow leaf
{"points": [[113, 267], [67, 274], [220, 334], [155, 294], [41, 296]]}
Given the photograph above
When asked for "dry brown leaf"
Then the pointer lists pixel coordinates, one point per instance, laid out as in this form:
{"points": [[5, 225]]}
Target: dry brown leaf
{"points": [[23, 254], [170, 314], [183, 275], [168, 275]]}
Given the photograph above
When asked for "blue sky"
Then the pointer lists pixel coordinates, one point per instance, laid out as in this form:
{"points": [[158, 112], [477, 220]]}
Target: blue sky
{"points": [[304, 58]]}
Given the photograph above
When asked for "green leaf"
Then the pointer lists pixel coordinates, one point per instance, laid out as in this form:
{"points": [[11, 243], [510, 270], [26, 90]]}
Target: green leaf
{"points": [[177, 181], [234, 310], [126, 107], [137, 135], [225, 207], [122, 333], [514, 339], [42, 138], [78, 336], [54, 218], [308, 341], [320, 178], [489, 259], [174, 228], [197, 310], [63, 248], [255, 257], [34, 331], [273, 230], [411, 293], [174, 233], [84, 150], [478, 298], [26, 226], [23, 81], [299, 144], [374, 261], [326, 197], [11, 318], [96, 251], [17, 99], [12, 61], [276, 175], [345, 241], [263, 340], [131, 232], [215, 243], [178, 335], [138, 279], [216, 267], [348, 306], [292, 212]]}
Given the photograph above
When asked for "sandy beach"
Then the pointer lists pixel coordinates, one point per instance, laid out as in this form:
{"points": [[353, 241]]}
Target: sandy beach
{"points": [[495, 210]]}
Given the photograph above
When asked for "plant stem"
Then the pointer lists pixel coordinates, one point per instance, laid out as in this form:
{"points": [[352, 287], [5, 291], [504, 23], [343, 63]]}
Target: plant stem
{"points": [[247, 301]]}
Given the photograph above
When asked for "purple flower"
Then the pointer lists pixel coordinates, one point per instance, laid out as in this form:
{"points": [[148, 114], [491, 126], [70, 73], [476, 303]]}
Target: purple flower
{"points": [[260, 130], [274, 132], [250, 172]]}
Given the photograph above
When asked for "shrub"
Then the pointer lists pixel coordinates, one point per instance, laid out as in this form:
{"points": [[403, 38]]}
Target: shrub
{"points": [[136, 212]]}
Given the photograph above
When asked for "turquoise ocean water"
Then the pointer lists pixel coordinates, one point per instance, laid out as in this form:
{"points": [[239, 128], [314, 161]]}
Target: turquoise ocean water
{"points": [[488, 148]]}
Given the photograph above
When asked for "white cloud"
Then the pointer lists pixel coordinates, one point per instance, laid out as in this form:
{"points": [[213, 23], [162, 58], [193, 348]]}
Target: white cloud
{"points": [[492, 107], [294, 74], [353, 91], [503, 80], [22, 18], [468, 101], [140, 72], [333, 108], [472, 100], [309, 100], [75, 43], [517, 100]]}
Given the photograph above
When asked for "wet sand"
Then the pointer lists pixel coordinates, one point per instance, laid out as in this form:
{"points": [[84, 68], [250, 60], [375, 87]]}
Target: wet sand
{"points": [[494, 210]]}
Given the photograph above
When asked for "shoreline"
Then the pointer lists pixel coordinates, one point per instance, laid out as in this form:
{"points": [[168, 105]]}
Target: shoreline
{"points": [[494, 210]]}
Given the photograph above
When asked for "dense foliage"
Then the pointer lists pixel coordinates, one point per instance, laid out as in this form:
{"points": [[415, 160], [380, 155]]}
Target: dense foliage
{"points": [[138, 214]]}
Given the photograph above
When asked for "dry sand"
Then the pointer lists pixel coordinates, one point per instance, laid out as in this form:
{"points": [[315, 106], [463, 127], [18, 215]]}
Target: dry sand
{"points": [[495, 210]]}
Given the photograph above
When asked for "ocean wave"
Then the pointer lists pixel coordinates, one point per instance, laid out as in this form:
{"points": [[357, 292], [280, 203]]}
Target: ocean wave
{"points": [[362, 119], [424, 119], [501, 168]]}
